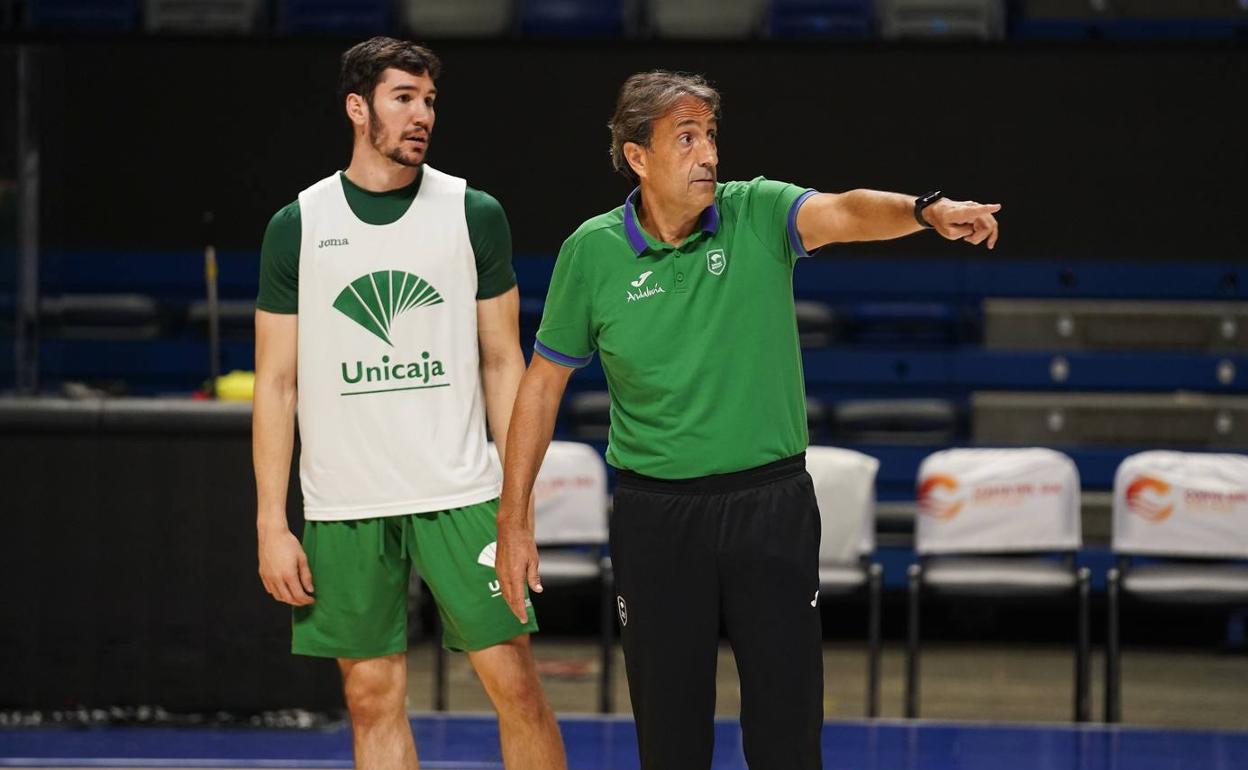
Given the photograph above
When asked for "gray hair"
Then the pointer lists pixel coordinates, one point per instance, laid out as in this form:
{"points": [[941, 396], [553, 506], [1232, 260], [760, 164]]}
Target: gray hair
{"points": [[644, 98]]}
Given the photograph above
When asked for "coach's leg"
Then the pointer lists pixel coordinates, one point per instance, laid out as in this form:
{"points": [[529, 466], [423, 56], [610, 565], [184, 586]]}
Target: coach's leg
{"points": [[663, 553], [526, 724], [376, 690], [770, 579]]}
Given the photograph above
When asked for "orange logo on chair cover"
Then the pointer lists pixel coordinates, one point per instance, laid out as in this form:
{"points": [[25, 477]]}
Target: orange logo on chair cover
{"points": [[1148, 508], [929, 505]]}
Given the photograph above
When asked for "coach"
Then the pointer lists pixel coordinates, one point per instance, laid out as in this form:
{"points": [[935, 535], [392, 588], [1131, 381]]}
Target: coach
{"points": [[686, 293]]}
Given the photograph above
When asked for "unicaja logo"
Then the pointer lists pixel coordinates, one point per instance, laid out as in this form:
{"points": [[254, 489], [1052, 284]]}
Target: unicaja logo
{"points": [[374, 300], [936, 497], [1146, 498]]}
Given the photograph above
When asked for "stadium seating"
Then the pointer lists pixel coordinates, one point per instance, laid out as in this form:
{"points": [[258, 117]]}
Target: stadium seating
{"points": [[95, 16], [976, 19], [203, 16], [101, 317], [1059, 19], [932, 422], [816, 324], [236, 318], [590, 412], [458, 18], [574, 18], [335, 17], [1186, 420], [1087, 20], [1107, 325], [820, 18], [1177, 19], [691, 19]]}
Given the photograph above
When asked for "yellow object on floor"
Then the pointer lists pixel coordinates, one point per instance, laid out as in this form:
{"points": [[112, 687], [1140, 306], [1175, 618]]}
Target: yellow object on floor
{"points": [[236, 386]]}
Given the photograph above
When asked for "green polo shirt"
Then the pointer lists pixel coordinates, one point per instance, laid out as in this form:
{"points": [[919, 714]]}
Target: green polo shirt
{"points": [[488, 232], [698, 342]]}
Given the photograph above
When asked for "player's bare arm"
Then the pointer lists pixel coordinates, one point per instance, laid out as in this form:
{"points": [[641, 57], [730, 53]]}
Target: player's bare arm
{"points": [[533, 422], [871, 215], [283, 564], [502, 361]]}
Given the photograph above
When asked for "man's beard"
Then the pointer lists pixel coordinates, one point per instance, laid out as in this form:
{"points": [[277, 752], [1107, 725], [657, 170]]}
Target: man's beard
{"points": [[396, 153]]}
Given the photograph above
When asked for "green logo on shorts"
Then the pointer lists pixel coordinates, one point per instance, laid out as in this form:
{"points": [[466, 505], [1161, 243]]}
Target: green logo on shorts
{"points": [[375, 300]]}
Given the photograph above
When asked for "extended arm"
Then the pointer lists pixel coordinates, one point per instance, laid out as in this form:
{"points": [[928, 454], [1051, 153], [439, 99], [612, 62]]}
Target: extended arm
{"points": [[871, 215]]}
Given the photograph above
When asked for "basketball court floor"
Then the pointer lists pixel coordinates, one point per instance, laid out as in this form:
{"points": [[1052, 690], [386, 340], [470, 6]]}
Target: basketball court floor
{"points": [[608, 743]]}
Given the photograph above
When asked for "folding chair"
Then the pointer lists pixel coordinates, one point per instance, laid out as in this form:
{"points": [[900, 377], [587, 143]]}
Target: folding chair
{"points": [[570, 518], [845, 488], [1187, 513], [989, 523]]}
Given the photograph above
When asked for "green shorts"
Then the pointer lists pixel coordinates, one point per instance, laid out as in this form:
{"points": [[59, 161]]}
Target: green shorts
{"points": [[361, 571]]}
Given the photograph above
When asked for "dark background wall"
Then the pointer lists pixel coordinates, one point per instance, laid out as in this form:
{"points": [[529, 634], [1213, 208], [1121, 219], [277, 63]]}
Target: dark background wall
{"points": [[1097, 153]]}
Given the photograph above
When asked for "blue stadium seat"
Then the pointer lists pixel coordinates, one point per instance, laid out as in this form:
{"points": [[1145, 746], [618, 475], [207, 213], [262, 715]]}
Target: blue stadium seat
{"points": [[84, 15], [332, 17], [1177, 19], [1208, 28], [573, 18], [820, 18]]}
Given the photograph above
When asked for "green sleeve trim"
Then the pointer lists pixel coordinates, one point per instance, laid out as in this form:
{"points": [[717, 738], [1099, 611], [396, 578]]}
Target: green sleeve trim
{"points": [[279, 262], [490, 236]]}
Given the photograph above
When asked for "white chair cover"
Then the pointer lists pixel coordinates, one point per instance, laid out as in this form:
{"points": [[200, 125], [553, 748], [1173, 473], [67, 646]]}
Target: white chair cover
{"points": [[845, 488], [998, 501], [1182, 504], [570, 496]]}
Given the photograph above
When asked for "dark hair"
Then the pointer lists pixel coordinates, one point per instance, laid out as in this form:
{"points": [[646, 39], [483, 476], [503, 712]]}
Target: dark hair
{"points": [[363, 64], [644, 98]]}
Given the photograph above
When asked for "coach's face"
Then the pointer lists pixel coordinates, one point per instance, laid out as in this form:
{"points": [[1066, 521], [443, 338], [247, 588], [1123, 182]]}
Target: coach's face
{"points": [[679, 165], [400, 118]]}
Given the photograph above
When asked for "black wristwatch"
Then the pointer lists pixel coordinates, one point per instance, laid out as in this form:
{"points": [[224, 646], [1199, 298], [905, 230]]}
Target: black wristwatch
{"points": [[922, 202]]}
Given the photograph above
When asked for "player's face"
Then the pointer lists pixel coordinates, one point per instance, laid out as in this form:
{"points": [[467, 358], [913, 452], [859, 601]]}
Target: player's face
{"points": [[684, 153], [401, 119]]}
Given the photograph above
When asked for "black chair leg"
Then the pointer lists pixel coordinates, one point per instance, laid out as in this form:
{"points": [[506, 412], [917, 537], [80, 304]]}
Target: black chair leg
{"points": [[439, 666], [606, 699], [875, 575], [914, 585], [1113, 674], [1083, 706]]}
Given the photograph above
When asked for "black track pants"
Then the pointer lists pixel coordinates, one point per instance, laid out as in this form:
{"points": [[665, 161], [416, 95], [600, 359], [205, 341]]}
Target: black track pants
{"points": [[742, 547]]}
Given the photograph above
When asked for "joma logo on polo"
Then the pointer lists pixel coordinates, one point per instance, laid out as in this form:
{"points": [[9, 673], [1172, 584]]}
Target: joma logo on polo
{"points": [[332, 242]]}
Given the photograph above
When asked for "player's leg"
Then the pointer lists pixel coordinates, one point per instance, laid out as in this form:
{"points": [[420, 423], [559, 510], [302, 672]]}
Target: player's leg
{"points": [[771, 614], [663, 550], [376, 691], [360, 618], [526, 724], [454, 553]]}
